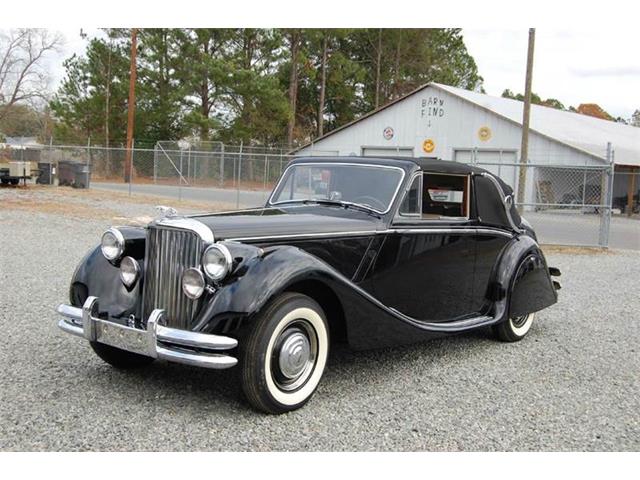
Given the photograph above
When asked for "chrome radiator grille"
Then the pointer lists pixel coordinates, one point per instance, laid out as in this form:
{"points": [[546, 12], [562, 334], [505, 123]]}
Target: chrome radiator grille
{"points": [[169, 252]]}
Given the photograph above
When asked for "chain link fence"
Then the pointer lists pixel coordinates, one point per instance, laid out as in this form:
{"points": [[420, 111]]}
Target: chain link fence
{"points": [[566, 204]]}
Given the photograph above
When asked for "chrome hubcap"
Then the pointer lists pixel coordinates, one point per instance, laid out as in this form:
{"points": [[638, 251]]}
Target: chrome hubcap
{"points": [[294, 356], [518, 322]]}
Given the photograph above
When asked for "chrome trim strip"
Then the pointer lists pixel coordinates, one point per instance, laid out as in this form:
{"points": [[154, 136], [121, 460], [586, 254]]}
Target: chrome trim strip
{"points": [[188, 223], [472, 230], [348, 164], [306, 235], [206, 360], [157, 341], [194, 339], [506, 204], [425, 230]]}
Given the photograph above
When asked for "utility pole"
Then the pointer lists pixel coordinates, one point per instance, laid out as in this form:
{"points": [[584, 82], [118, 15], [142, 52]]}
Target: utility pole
{"points": [[524, 148], [132, 106]]}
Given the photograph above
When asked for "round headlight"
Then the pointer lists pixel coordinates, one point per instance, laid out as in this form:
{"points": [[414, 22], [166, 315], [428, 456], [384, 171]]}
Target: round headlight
{"points": [[216, 262], [129, 271], [112, 244], [193, 283]]}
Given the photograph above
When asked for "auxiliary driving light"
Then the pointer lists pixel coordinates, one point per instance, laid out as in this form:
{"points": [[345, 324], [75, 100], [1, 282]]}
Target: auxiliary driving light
{"points": [[129, 271], [193, 283]]}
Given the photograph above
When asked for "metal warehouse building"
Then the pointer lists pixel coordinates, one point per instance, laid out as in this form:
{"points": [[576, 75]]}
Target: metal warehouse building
{"points": [[454, 124]]}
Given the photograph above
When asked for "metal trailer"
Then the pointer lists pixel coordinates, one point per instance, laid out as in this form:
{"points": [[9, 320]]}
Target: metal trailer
{"points": [[12, 172]]}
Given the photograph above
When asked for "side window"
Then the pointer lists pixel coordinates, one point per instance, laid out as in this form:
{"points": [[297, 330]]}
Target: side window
{"points": [[445, 196], [410, 206]]}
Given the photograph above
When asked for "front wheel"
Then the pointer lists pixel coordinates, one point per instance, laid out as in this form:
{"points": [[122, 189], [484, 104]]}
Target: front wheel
{"points": [[284, 355], [515, 328]]}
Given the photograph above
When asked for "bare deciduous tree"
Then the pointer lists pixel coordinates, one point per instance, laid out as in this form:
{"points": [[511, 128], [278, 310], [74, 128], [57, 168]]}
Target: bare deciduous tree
{"points": [[23, 73]]}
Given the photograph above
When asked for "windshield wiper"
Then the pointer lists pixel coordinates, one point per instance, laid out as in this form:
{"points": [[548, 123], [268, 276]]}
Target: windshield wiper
{"points": [[344, 204]]}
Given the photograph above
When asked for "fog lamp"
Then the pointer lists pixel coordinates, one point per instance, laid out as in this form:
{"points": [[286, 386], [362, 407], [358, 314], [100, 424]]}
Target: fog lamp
{"points": [[193, 283]]}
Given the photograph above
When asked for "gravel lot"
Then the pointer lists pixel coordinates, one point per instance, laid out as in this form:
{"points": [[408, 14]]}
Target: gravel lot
{"points": [[572, 384]]}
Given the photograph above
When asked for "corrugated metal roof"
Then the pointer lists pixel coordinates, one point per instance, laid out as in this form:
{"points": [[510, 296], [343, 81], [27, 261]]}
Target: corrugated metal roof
{"points": [[580, 131], [585, 133]]}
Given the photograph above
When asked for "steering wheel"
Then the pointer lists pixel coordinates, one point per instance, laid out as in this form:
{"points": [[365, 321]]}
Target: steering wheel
{"points": [[372, 202]]}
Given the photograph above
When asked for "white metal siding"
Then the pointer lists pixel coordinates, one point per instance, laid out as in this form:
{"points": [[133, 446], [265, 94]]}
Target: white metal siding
{"points": [[453, 125]]}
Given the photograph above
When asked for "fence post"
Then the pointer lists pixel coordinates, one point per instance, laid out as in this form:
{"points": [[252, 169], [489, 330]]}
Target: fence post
{"points": [[266, 170], [222, 166], [88, 165], [606, 197], [239, 177], [189, 172], [180, 179], [51, 172], [155, 163], [133, 150]]}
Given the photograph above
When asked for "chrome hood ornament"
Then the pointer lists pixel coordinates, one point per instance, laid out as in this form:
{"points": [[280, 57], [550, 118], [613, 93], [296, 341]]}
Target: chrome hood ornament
{"points": [[164, 212]]}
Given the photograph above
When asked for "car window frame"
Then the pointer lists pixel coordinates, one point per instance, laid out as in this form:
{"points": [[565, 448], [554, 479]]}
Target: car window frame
{"points": [[392, 202], [405, 219]]}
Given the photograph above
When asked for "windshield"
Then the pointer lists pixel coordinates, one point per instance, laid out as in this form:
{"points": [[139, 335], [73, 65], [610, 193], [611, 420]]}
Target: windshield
{"points": [[367, 185]]}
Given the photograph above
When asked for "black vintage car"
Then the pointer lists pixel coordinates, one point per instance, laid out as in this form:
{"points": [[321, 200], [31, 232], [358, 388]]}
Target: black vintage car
{"points": [[369, 251]]}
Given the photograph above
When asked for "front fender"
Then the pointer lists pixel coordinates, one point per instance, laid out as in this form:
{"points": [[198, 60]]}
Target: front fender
{"points": [[96, 276], [260, 277]]}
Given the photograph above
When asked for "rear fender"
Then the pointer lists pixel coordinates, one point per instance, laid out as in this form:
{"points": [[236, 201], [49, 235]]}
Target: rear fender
{"points": [[522, 278]]}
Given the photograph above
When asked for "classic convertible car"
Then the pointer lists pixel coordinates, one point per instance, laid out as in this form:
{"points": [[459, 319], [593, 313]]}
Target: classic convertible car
{"points": [[369, 251]]}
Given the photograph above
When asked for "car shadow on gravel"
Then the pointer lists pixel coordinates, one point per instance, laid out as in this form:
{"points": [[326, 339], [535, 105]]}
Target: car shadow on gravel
{"points": [[202, 388]]}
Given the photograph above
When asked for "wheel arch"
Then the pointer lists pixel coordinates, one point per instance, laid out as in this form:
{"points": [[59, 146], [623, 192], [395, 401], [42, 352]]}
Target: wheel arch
{"points": [[328, 300]]}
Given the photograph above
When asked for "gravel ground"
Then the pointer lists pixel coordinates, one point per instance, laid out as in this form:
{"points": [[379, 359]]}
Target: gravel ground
{"points": [[572, 384]]}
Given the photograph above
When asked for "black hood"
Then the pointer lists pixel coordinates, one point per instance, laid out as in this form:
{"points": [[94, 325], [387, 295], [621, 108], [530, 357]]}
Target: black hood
{"points": [[263, 222]]}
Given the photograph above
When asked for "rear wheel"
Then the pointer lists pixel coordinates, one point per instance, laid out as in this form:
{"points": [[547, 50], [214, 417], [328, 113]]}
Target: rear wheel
{"points": [[515, 328], [118, 358], [284, 355]]}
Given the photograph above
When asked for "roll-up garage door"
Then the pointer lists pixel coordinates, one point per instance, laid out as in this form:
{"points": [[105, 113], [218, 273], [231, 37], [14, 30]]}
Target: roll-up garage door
{"points": [[499, 162], [387, 151]]}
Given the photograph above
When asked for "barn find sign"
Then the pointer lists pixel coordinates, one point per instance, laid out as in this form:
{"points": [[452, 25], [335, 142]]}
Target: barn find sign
{"points": [[432, 108]]}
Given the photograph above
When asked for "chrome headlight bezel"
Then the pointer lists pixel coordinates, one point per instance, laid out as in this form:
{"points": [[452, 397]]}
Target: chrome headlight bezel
{"points": [[223, 267], [130, 277], [118, 244], [196, 289]]}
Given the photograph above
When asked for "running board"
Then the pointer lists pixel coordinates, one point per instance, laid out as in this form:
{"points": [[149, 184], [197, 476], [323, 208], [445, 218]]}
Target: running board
{"points": [[449, 327]]}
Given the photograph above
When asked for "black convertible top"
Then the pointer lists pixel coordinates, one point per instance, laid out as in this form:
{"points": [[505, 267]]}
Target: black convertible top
{"points": [[489, 204]]}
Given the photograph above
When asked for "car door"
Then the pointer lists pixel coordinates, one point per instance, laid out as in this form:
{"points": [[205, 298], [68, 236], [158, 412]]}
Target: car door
{"points": [[425, 267]]}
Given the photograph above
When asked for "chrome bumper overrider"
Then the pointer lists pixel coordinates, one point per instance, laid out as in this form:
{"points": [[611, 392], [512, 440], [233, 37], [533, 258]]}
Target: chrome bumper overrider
{"points": [[156, 341]]}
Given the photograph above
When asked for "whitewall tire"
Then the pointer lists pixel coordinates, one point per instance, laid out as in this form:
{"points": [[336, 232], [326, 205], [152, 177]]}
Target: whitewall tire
{"points": [[515, 328], [284, 355]]}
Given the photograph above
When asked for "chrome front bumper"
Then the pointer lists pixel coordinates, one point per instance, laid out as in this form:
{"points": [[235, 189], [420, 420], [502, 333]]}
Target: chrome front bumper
{"points": [[157, 341]]}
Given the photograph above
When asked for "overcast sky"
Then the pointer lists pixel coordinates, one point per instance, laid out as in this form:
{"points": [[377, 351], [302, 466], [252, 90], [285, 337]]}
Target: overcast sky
{"points": [[595, 66]]}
